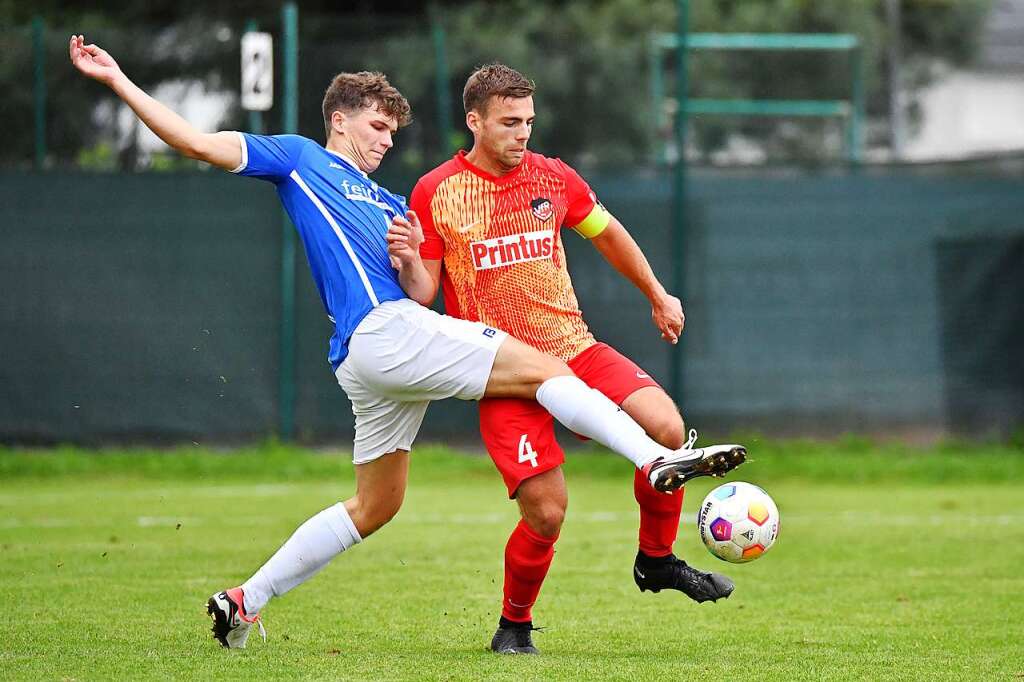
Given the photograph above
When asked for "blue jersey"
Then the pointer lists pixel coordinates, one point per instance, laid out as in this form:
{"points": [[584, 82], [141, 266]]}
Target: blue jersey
{"points": [[341, 216]]}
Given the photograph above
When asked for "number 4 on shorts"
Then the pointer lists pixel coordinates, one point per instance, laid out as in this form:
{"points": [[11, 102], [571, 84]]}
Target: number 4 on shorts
{"points": [[526, 452]]}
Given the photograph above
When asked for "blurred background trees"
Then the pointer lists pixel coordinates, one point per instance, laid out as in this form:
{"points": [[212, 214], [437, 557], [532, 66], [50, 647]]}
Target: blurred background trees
{"points": [[589, 59]]}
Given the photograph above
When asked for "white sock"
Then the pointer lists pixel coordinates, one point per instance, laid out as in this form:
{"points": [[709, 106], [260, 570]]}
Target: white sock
{"points": [[589, 413], [310, 548]]}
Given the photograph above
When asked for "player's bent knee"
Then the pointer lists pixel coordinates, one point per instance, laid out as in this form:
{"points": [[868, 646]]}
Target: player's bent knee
{"points": [[547, 520], [545, 514], [669, 432], [370, 515]]}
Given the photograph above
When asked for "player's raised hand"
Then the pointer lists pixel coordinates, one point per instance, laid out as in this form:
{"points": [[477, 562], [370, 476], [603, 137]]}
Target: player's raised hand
{"points": [[667, 313], [93, 61], [404, 238], [415, 230]]}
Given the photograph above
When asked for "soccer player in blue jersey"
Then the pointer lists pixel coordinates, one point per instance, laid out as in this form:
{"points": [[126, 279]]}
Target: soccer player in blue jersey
{"points": [[390, 355]]}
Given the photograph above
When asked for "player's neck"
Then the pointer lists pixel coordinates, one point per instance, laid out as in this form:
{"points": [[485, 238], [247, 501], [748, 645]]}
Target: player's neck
{"points": [[487, 163], [340, 150]]}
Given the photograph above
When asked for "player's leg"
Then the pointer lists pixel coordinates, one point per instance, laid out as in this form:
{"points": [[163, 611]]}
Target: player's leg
{"points": [[531, 547], [407, 352], [385, 430], [380, 489], [520, 370], [655, 567], [519, 436], [655, 411]]}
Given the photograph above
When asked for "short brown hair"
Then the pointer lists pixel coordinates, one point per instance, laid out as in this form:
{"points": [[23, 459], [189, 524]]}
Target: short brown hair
{"points": [[494, 80], [350, 92]]}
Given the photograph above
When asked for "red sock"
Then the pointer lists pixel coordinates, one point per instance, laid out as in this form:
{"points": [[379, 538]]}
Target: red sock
{"points": [[659, 517], [528, 555]]}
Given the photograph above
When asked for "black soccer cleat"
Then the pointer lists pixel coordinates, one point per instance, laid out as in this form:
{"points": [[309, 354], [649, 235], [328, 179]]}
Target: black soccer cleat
{"points": [[671, 573], [668, 474], [231, 624], [513, 638]]}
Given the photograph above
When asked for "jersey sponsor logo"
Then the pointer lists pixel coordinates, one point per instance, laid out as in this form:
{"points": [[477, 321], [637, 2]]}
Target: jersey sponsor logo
{"points": [[369, 195], [517, 248], [542, 208]]}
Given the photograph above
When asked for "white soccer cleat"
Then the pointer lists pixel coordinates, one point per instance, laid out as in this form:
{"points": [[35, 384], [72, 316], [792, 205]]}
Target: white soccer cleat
{"points": [[668, 474], [231, 624]]}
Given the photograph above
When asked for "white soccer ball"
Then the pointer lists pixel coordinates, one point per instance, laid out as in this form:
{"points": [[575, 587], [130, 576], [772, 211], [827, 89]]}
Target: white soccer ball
{"points": [[738, 522]]}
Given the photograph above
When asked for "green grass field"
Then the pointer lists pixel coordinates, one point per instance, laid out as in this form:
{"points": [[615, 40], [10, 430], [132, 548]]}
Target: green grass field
{"points": [[892, 563]]}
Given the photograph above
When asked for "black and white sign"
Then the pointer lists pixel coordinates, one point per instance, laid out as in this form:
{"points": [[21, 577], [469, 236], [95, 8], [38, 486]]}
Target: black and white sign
{"points": [[257, 71]]}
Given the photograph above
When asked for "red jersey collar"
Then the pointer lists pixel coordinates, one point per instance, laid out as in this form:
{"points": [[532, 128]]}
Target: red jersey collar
{"points": [[460, 158]]}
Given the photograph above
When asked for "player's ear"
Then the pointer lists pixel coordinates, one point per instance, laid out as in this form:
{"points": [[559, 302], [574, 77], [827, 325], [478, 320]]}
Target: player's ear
{"points": [[473, 120], [338, 122]]}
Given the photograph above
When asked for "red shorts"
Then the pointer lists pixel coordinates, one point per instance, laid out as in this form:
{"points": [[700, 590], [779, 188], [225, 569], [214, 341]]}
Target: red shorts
{"points": [[520, 434]]}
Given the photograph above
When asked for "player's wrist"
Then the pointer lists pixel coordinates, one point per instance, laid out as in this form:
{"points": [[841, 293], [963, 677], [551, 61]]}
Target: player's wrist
{"points": [[659, 297], [118, 82]]}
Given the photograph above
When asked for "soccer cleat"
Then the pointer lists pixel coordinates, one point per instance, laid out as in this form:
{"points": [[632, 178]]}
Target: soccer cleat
{"points": [[668, 474], [676, 574], [513, 638], [231, 624]]}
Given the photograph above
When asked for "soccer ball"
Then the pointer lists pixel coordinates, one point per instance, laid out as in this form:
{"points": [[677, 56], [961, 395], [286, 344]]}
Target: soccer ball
{"points": [[738, 522]]}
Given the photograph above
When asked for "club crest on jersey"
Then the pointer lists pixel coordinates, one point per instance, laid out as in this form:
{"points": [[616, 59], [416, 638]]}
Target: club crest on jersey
{"points": [[516, 248], [542, 208]]}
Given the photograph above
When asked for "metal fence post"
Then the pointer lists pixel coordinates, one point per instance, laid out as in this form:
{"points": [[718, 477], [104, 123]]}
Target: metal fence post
{"points": [[39, 77], [442, 83], [657, 88], [855, 130], [289, 124], [679, 193]]}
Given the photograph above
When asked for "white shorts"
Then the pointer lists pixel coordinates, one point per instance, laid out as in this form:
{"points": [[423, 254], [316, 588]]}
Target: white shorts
{"points": [[402, 356]]}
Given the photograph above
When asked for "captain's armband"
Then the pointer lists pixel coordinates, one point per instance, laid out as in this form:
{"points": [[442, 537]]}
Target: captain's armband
{"points": [[594, 223]]}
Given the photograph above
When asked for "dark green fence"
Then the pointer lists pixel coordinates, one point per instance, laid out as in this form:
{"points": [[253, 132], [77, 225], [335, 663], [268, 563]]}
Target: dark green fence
{"points": [[146, 307]]}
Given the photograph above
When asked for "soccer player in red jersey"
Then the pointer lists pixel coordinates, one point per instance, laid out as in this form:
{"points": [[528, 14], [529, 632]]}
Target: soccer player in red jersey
{"points": [[491, 219]]}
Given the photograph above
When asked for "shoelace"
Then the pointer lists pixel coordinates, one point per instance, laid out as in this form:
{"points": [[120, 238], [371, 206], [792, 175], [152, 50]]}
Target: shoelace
{"points": [[258, 621], [688, 574], [263, 630], [691, 440], [523, 637]]}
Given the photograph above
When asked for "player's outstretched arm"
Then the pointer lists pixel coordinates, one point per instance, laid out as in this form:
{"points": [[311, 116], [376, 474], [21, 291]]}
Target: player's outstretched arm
{"points": [[418, 277], [620, 249], [223, 149]]}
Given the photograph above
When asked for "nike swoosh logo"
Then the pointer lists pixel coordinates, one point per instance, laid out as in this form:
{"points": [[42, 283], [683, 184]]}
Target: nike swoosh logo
{"points": [[469, 226], [518, 606], [641, 375], [637, 571]]}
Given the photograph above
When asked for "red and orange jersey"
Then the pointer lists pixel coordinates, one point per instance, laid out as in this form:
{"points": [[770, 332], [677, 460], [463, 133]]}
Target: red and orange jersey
{"points": [[501, 246]]}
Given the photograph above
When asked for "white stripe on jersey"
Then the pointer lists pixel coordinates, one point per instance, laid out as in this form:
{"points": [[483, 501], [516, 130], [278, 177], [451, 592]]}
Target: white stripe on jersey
{"points": [[294, 175]]}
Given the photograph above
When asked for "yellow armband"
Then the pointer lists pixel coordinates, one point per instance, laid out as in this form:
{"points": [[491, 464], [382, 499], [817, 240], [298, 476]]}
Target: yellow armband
{"points": [[594, 223]]}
